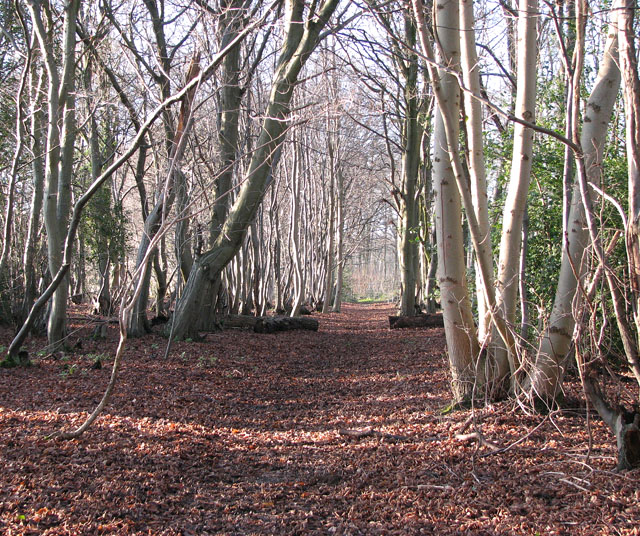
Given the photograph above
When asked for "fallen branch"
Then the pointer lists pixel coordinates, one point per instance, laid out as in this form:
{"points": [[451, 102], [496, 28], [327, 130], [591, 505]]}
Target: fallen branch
{"points": [[272, 324], [418, 321]]}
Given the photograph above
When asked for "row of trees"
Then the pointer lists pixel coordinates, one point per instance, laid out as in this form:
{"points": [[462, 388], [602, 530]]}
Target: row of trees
{"points": [[257, 154]]}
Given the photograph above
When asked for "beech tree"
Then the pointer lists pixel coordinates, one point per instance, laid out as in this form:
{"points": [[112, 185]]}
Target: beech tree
{"points": [[303, 33], [624, 423], [475, 146], [59, 147], [546, 375], [462, 342], [513, 213]]}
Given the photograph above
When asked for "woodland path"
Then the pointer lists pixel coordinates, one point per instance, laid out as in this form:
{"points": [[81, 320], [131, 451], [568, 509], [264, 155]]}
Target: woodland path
{"points": [[241, 434]]}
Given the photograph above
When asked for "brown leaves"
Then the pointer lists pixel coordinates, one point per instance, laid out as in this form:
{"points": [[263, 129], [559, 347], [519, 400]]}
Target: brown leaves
{"points": [[241, 435]]}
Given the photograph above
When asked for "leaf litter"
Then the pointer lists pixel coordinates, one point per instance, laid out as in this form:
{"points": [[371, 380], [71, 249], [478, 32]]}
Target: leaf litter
{"points": [[335, 432]]}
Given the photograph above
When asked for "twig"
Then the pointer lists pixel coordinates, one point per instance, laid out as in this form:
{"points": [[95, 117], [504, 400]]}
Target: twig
{"points": [[567, 481], [466, 423], [434, 486]]}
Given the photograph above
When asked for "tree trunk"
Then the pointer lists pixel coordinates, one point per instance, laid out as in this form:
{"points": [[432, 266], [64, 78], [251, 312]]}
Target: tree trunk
{"points": [[431, 279], [547, 371], [228, 134], [294, 229], [277, 254], [511, 239], [477, 173], [408, 218], [443, 84], [625, 425], [331, 209], [329, 265], [138, 323], [37, 168], [260, 268], [59, 149], [6, 297], [631, 92], [103, 201], [184, 254], [462, 344], [525, 327], [337, 300]]}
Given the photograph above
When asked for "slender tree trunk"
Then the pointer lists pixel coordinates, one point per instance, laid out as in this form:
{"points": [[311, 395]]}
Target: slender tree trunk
{"points": [[160, 270], [337, 300], [511, 239], [37, 169], [462, 345], [408, 219], [631, 92], [184, 254], [431, 278], [328, 276], [525, 327], [294, 229], [104, 305], [547, 371], [138, 322], [276, 253], [259, 274], [443, 92], [333, 164], [477, 173], [6, 300], [59, 150]]}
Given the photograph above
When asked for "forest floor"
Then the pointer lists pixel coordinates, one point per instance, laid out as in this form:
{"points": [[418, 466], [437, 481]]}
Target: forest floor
{"points": [[335, 432]]}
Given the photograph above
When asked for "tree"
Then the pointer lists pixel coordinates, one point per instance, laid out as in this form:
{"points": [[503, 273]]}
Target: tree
{"points": [[475, 149], [514, 207], [59, 149], [631, 93], [624, 424], [21, 89], [301, 38], [230, 97], [547, 370], [462, 343], [175, 136]]}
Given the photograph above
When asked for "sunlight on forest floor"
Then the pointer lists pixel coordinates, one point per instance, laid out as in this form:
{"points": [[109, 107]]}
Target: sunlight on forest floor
{"points": [[256, 441]]}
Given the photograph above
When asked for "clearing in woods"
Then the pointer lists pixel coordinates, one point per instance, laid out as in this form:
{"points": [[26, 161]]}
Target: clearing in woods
{"points": [[334, 432]]}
